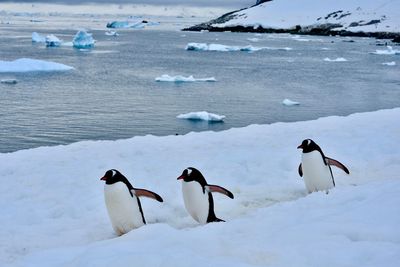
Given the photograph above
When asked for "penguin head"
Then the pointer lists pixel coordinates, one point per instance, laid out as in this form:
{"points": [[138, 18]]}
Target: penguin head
{"points": [[308, 145], [191, 174], [112, 176]]}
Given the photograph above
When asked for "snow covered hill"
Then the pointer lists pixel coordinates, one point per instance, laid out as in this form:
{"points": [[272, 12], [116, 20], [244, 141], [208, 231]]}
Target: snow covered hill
{"points": [[378, 18], [53, 211]]}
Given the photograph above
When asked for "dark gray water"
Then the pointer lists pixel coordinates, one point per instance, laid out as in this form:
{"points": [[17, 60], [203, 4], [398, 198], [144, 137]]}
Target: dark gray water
{"points": [[112, 94]]}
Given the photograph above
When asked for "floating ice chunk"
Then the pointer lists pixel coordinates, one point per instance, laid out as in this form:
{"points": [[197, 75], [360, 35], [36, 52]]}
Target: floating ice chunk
{"points": [[339, 59], [227, 48], [28, 64], [202, 115], [111, 33], [52, 41], [127, 24], [9, 81], [37, 38], [288, 102], [392, 63], [83, 40], [388, 51], [180, 78]]}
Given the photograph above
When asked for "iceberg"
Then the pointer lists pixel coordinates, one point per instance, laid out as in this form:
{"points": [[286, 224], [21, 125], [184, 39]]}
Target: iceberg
{"points": [[127, 24], [52, 41], [83, 40], [9, 81], [111, 33], [37, 38], [388, 51], [227, 48], [28, 64], [180, 78], [202, 116], [339, 59], [288, 102], [392, 63]]}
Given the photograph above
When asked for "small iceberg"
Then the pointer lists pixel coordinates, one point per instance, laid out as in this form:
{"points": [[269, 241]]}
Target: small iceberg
{"points": [[52, 41], [392, 63], [130, 24], [111, 33], [219, 47], [37, 38], [288, 102], [339, 59], [179, 79], [83, 40], [28, 64], [202, 116], [388, 51], [9, 81]]}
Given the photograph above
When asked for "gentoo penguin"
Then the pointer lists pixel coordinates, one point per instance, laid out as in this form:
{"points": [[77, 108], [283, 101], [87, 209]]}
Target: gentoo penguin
{"points": [[122, 201], [315, 167], [197, 196]]}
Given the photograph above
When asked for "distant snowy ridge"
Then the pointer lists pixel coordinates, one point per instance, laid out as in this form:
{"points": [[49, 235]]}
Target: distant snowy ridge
{"points": [[378, 18], [180, 78], [28, 64], [202, 116]]}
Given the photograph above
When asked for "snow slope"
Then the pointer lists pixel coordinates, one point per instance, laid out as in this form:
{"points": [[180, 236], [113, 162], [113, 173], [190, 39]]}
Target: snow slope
{"points": [[353, 15], [53, 211]]}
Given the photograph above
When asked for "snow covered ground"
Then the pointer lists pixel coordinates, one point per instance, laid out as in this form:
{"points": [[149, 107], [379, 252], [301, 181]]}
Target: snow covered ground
{"points": [[353, 15], [53, 211]]}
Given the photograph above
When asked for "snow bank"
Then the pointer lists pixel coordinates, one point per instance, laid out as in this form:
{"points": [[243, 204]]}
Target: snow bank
{"points": [[28, 64], [388, 51], [227, 48], [83, 40], [288, 102], [202, 116], [53, 211], [180, 78], [339, 59]]}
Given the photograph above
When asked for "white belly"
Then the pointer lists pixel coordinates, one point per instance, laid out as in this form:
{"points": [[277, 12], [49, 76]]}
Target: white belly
{"points": [[196, 202], [123, 210], [317, 175]]}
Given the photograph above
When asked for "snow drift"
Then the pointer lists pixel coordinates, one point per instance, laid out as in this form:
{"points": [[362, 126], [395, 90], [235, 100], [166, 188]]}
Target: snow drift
{"points": [[54, 212]]}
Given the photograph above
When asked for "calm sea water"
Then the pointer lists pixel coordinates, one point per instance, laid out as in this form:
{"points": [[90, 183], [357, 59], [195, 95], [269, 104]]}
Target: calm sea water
{"points": [[112, 94]]}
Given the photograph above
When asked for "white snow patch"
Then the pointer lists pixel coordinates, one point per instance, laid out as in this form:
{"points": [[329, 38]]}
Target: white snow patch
{"points": [[28, 64], [180, 78], [339, 59], [54, 212], [288, 102], [392, 63], [202, 115]]}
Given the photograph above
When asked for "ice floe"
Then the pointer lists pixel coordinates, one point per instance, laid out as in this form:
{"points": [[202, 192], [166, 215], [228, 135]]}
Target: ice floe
{"points": [[388, 51], [37, 38], [392, 63], [52, 41], [339, 59], [83, 40], [288, 102], [111, 33], [28, 64], [202, 116], [139, 24], [228, 48], [9, 81], [180, 78]]}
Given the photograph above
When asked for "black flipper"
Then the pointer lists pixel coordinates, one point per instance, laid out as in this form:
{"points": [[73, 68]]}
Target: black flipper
{"points": [[146, 193], [338, 164], [219, 189], [300, 170]]}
